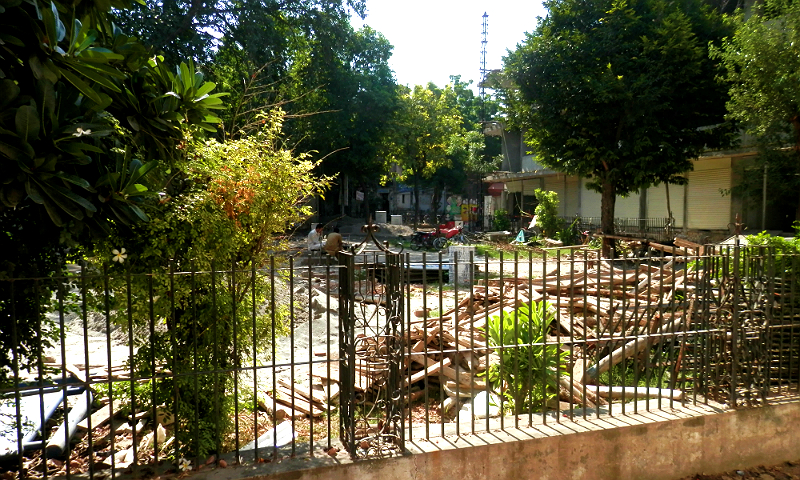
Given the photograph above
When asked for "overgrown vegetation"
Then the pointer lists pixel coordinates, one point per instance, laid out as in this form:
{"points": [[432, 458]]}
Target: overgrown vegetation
{"points": [[527, 375], [219, 220], [547, 212], [501, 221]]}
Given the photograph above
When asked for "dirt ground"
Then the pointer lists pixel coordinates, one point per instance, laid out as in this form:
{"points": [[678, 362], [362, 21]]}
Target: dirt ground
{"points": [[784, 471]]}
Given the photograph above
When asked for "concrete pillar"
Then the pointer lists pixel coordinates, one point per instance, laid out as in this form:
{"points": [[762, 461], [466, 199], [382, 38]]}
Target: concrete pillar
{"points": [[460, 255]]}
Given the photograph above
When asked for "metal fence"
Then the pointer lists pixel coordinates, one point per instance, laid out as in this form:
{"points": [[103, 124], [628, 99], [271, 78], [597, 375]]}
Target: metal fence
{"points": [[659, 229], [185, 369]]}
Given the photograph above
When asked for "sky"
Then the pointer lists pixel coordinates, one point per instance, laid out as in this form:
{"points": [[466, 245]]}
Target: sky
{"points": [[434, 39]]}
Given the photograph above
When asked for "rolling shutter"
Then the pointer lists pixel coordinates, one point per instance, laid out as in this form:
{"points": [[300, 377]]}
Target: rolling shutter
{"points": [[627, 207], [657, 202], [590, 202], [707, 208]]}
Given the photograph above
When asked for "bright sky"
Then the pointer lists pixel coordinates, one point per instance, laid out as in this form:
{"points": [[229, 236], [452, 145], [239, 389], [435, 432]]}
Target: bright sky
{"points": [[434, 39]]}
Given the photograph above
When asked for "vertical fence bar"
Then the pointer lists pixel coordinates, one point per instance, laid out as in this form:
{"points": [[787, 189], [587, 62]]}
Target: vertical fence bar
{"points": [[310, 355], [347, 354], [735, 326], [544, 326], [441, 342], [273, 370]]}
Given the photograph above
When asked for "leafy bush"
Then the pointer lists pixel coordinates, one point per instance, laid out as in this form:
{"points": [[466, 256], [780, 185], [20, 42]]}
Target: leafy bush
{"points": [[501, 221], [80, 101], [528, 371], [219, 219], [547, 212]]}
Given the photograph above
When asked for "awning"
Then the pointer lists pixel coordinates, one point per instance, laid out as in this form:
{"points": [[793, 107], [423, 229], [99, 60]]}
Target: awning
{"points": [[497, 188]]}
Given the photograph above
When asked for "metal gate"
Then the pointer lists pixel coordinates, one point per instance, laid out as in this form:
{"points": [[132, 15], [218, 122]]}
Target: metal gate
{"points": [[370, 355]]}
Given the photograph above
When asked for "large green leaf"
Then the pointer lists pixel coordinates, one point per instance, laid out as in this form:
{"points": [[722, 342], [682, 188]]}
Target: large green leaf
{"points": [[47, 99], [206, 88], [13, 152], [99, 55], [61, 31], [81, 86], [138, 170], [95, 76], [74, 197], [75, 180], [27, 123], [137, 189], [8, 92]]}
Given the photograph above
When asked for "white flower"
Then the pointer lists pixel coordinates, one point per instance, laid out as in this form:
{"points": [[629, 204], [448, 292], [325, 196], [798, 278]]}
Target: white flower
{"points": [[80, 132], [119, 255], [184, 465]]}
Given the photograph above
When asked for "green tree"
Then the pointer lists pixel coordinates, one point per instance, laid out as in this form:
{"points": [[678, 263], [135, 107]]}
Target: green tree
{"points": [[264, 32], [219, 221], [85, 116], [620, 92], [762, 62], [344, 95], [421, 135], [472, 154]]}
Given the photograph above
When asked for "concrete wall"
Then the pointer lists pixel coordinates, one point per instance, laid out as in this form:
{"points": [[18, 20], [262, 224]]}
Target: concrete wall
{"points": [[618, 448]]}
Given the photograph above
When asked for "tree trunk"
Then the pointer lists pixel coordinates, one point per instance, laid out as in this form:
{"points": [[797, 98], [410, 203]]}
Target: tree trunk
{"points": [[416, 201], [435, 201], [796, 125], [608, 199]]}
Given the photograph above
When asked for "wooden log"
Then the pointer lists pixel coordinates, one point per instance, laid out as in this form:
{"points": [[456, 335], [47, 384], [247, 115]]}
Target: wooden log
{"points": [[675, 251], [98, 418], [628, 350], [574, 389], [632, 393], [295, 401], [432, 367], [277, 410], [465, 379], [314, 396], [689, 245]]}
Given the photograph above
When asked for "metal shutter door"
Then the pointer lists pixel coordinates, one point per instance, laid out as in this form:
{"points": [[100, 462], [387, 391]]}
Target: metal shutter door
{"points": [[657, 202], [707, 208]]}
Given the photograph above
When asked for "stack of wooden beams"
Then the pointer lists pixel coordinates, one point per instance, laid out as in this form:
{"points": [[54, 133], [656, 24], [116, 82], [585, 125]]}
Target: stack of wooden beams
{"points": [[596, 306]]}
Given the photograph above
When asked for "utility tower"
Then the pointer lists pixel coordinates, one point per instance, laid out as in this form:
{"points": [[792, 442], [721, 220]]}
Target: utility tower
{"points": [[482, 84]]}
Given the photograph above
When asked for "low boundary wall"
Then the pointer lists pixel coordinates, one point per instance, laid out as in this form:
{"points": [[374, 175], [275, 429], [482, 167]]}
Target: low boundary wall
{"points": [[656, 445]]}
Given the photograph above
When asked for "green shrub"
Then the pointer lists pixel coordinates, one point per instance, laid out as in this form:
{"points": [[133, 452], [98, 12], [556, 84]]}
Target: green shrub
{"points": [[528, 369], [547, 212], [501, 220]]}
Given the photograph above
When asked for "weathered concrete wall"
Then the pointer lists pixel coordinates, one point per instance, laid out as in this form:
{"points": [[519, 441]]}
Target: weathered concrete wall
{"points": [[620, 448]]}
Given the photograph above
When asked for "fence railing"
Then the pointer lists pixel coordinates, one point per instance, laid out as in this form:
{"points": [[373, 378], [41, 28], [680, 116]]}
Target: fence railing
{"points": [[659, 229], [183, 368]]}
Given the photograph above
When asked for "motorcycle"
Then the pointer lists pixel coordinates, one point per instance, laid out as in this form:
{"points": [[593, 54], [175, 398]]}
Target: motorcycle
{"points": [[453, 234], [430, 239]]}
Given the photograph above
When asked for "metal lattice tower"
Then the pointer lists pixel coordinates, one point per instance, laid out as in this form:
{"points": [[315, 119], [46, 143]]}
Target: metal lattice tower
{"points": [[481, 85]]}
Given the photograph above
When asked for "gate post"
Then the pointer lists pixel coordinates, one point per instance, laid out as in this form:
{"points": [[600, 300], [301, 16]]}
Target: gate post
{"points": [[370, 363], [394, 343], [347, 367]]}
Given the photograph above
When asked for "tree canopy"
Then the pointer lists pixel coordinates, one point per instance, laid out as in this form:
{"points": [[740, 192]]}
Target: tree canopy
{"points": [[762, 62], [620, 92], [423, 132]]}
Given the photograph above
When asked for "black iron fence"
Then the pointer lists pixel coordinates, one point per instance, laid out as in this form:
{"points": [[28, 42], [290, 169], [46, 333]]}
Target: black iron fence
{"points": [[184, 369], [658, 229]]}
